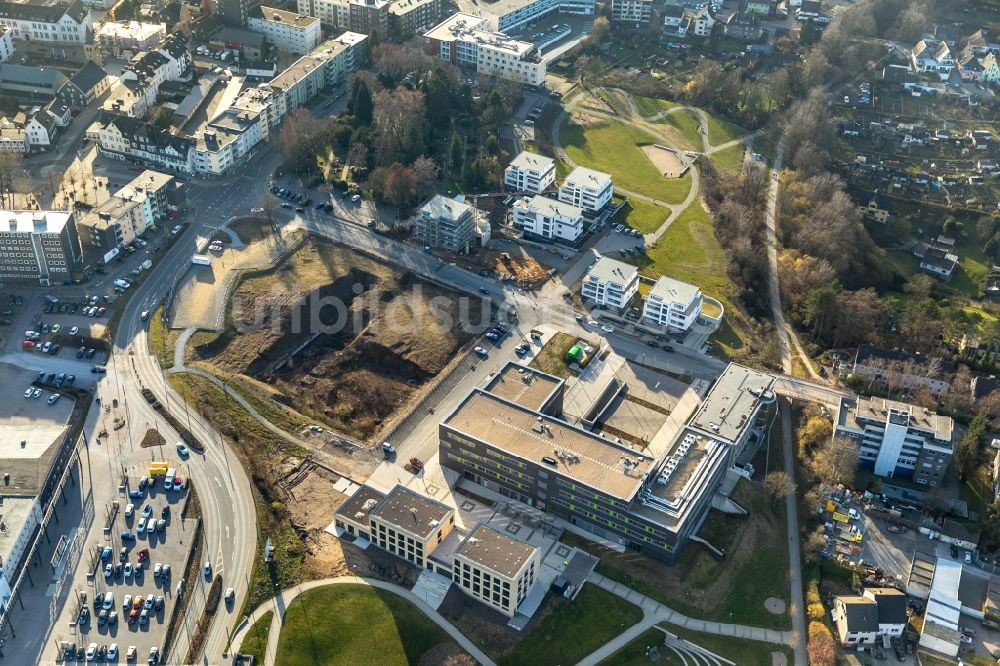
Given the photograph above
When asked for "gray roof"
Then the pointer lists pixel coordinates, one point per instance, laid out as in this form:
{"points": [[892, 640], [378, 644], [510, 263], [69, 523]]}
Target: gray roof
{"points": [[674, 291], [528, 161], [359, 506], [891, 604], [552, 207], [88, 76], [410, 511], [611, 270], [42, 76], [861, 614], [43, 13], [495, 551], [441, 207]]}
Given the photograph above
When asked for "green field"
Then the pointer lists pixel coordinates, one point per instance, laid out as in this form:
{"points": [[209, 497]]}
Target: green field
{"points": [[689, 252], [355, 624], [730, 159], [614, 149], [574, 629], [686, 123], [641, 215], [650, 106], [741, 651], [255, 642], [722, 131]]}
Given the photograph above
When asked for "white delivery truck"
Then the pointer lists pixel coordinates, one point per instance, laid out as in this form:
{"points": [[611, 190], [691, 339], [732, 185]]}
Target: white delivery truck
{"points": [[146, 265], [168, 480], [124, 284], [201, 260]]}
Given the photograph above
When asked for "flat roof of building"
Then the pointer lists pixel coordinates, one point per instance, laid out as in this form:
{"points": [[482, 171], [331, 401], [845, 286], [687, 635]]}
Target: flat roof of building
{"points": [[469, 28], [440, 207], [28, 454], [34, 221], [607, 269], [526, 386], [359, 506], [553, 207], [130, 30], [14, 513], [495, 550], [725, 412], [577, 454], [401, 7], [877, 409], [670, 290], [273, 15], [584, 177], [411, 511], [528, 161]]}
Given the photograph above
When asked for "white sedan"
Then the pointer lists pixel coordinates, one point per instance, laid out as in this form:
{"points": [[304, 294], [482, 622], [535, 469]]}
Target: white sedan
{"points": [[607, 329], [74, 330], [28, 391]]}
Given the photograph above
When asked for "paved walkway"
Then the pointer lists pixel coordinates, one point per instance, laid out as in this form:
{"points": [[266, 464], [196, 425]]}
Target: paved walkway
{"points": [[280, 603], [654, 613]]}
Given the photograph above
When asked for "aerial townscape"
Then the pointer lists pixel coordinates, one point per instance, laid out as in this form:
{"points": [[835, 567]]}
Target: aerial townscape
{"points": [[500, 332]]}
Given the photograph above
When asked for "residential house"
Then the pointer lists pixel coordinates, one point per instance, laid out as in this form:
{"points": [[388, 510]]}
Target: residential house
{"points": [[980, 139], [991, 69], [760, 7], [893, 370], [84, 87], [984, 386], [129, 139], [981, 42], [41, 130], [297, 34], [699, 22], [896, 438], [877, 613], [610, 283], [672, 305], [529, 172], [930, 57], [877, 207], [413, 17], [743, 27], [673, 20], [39, 245], [938, 260], [549, 219], [809, 10], [969, 65], [590, 190]]}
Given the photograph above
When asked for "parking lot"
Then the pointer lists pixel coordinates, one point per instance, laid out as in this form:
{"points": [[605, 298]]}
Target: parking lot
{"points": [[35, 411], [134, 576]]}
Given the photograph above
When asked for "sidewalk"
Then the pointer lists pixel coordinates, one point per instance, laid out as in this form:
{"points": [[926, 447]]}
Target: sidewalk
{"points": [[279, 603]]}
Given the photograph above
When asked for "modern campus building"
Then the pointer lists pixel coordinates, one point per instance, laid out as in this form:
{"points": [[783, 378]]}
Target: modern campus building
{"points": [[466, 41], [39, 245], [495, 568], [896, 438], [529, 172], [507, 15], [59, 23], [295, 33], [610, 283], [590, 190], [672, 305], [410, 525], [549, 219], [515, 443]]}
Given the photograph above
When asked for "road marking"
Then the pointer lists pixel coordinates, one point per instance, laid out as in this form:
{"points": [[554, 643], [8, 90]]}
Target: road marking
{"points": [[217, 482]]}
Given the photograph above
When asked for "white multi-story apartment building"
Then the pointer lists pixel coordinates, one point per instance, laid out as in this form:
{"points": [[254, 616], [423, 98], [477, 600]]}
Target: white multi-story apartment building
{"points": [[6, 42], [610, 283], [124, 40], [126, 215], [529, 172], [496, 569], [672, 305], [507, 15], [445, 223], [463, 40], [590, 190], [331, 13], [898, 439], [228, 140], [70, 23], [634, 12], [549, 219], [295, 33]]}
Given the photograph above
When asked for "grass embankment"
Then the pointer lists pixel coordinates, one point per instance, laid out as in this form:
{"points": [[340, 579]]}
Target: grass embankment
{"points": [[355, 624], [255, 642], [687, 128], [641, 215], [575, 629], [689, 252], [700, 585], [263, 454], [722, 131], [729, 159], [738, 650], [552, 356], [614, 148], [650, 106], [162, 339]]}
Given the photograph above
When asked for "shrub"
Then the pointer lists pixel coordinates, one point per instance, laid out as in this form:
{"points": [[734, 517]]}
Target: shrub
{"points": [[214, 596]]}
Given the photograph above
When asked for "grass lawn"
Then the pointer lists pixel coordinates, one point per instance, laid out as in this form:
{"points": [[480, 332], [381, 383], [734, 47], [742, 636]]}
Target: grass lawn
{"points": [[650, 106], [738, 650], [977, 490], [161, 339], [355, 624], [255, 642], [552, 357], [641, 215], [575, 629], [689, 252], [722, 131], [973, 266], [614, 148], [688, 126], [730, 159]]}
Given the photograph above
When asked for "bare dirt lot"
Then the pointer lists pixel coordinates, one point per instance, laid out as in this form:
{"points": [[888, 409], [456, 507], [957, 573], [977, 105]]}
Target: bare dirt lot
{"points": [[343, 337], [666, 161]]}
